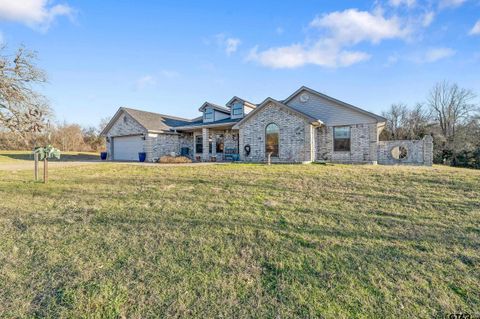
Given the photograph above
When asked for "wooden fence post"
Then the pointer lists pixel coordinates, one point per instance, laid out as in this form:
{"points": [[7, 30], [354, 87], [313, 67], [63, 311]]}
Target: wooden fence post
{"points": [[45, 170], [35, 158]]}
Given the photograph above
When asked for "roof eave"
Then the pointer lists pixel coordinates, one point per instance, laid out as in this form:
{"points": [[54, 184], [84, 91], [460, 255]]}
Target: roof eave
{"points": [[182, 128]]}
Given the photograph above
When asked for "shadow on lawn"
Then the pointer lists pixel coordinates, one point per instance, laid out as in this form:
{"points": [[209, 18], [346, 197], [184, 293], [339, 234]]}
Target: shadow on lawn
{"points": [[69, 157]]}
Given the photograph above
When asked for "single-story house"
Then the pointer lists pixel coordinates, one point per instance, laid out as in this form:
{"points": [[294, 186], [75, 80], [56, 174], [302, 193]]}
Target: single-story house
{"points": [[305, 127]]}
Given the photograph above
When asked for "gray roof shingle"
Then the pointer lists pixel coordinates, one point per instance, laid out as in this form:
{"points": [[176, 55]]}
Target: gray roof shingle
{"points": [[156, 122]]}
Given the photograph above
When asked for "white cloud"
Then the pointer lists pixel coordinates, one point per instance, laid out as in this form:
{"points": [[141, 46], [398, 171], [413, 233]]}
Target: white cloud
{"points": [[228, 44], [297, 55], [341, 30], [37, 14], [231, 45], [145, 82], [397, 3], [353, 26], [428, 18], [476, 29], [451, 3], [436, 54]]}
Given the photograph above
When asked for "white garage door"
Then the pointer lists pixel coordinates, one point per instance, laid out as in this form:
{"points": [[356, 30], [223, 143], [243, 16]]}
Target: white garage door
{"points": [[126, 148]]}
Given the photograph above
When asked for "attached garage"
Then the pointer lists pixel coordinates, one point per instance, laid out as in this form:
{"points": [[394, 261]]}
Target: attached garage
{"points": [[126, 148], [131, 131]]}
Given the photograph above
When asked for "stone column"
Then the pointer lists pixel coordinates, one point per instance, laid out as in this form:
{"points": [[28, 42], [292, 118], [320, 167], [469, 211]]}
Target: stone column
{"points": [[309, 143], [205, 133], [428, 150]]}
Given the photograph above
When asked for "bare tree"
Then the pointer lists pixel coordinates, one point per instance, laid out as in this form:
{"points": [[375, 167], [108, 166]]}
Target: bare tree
{"points": [[416, 124], [450, 106], [396, 118], [22, 109]]}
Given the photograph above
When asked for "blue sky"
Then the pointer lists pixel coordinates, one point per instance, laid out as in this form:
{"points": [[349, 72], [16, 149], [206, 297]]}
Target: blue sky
{"points": [[171, 56]]}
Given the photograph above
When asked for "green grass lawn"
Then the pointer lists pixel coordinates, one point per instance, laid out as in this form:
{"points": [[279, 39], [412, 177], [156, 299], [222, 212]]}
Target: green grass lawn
{"points": [[240, 241]]}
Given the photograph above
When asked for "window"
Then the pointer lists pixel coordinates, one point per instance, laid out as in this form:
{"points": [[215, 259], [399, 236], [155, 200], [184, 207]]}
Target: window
{"points": [[341, 139], [219, 146], [272, 137], [237, 108], [208, 114], [199, 144]]}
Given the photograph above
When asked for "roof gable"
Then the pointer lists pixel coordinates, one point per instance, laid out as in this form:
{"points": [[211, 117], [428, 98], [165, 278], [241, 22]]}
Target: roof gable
{"points": [[282, 105], [328, 102], [215, 107], [236, 98]]}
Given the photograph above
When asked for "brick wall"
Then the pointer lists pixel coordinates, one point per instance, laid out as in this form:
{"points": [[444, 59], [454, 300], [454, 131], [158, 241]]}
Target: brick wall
{"points": [[363, 147], [164, 144], [419, 152], [295, 135]]}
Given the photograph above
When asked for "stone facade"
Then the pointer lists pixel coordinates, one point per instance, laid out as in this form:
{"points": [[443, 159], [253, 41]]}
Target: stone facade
{"points": [[186, 140], [126, 125], [299, 142], [296, 137], [306, 122], [363, 145], [158, 145], [419, 152], [163, 144]]}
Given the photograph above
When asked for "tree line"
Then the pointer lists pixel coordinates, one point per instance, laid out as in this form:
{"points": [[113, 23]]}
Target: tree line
{"points": [[65, 136], [449, 114]]}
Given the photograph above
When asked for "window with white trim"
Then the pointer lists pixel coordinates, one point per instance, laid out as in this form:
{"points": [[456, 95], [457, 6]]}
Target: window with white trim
{"points": [[237, 108], [341, 139], [199, 144], [208, 114]]}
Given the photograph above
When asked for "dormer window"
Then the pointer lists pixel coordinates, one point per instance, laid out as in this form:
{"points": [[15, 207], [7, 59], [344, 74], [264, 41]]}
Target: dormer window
{"points": [[208, 114], [237, 108]]}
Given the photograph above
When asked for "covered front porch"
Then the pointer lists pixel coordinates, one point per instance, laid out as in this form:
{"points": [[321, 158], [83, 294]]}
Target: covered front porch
{"points": [[213, 143]]}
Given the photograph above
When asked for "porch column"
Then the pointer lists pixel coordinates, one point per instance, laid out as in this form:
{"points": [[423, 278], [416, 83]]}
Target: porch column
{"points": [[205, 133], [214, 144], [309, 143]]}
